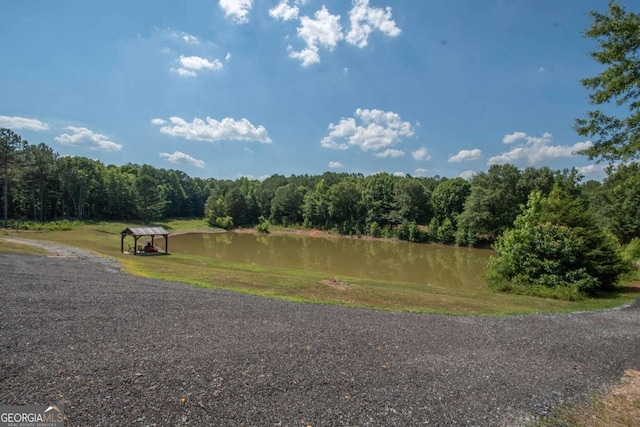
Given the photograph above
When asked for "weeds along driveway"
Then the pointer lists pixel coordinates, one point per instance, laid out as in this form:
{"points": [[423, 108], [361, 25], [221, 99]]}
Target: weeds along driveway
{"points": [[120, 350]]}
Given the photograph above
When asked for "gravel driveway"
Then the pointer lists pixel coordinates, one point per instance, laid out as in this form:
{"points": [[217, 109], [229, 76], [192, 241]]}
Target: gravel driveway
{"points": [[120, 350]]}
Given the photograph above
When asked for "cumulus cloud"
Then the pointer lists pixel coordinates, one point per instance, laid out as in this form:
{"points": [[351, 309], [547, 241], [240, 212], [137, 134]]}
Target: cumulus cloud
{"points": [[534, 150], [336, 165], [324, 30], [22, 123], [513, 137], [421, 172], [597, 172], [371, 130], [179, 157], [389, 153], [466, 155], [365, 19], [236, 10], [84, 137], [284, 12], [467, 175], [421, 154], [190, 65], [185, 37], [399, 174], [211, 130]]}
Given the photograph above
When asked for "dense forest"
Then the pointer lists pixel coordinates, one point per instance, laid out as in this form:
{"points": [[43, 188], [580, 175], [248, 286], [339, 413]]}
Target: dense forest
{"points": [[40, 185]]}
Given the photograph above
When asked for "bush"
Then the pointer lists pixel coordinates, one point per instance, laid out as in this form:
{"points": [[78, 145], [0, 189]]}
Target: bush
{"points": [[631, 251], [225, 222], [555, 250], [446, 233], [263, 226], [61, 225], [375, 230]]}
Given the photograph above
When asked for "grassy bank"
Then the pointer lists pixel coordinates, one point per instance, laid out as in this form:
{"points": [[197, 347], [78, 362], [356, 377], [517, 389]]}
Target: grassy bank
{"points": [[619, 406], [306, 286]]}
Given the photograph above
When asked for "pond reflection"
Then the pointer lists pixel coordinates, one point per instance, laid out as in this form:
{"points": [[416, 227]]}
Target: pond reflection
{"points": [[435, 265]]}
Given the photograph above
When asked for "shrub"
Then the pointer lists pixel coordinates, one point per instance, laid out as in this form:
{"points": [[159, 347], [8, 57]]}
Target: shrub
{"points": [[555, 250], [263, 226], [375, 230], [225, 222]]}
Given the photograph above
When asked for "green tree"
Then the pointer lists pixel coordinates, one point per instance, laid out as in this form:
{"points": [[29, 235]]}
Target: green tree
{"points": [[410, 201], [38, 168], [10, 143], [555, 250], [266, 191], [81, 181], [617, 202], [315, 206], [493, 204], [346, 210], [237, 207], [149, 197], [617, 137], [448, 199], [378, 197], [286, 205]]}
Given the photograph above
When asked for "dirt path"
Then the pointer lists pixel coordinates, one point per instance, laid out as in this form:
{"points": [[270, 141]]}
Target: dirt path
{"points": [[121, 350]]}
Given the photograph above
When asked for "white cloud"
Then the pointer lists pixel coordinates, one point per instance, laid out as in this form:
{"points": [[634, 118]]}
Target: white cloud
{"points": [[534, 150], [597, 172], [511, 138], [284, 12], [399, 174], [237, 10], [173, 34], [421, 154], [336, 165], [211, 130], [186, 37], [22, 123], [365, 19], [421, 172], [307, 56], [389, 153], [179, 157], [466, 155], [378, 130], [184, 72], [158, 122], [227, 57], [325, 30], [191, 64], [467, 175], [83, 136]]}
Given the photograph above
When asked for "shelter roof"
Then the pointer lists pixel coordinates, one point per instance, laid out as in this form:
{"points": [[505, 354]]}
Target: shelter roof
{"points": [[144, 231]]}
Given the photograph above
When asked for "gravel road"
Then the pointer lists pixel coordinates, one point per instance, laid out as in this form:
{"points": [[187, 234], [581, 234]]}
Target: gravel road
{"points": [[121, 350]]}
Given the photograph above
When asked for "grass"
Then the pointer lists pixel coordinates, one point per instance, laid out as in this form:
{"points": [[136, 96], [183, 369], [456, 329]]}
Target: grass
{"points": [[7, 246], [619, 406], [310, 287]]}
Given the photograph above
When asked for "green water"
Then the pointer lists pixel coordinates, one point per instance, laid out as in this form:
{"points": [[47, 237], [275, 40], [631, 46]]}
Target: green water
{"points": [[435, 265]]}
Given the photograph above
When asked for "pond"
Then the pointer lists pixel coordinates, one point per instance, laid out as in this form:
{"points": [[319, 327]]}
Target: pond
{"points": [[434, 265]]}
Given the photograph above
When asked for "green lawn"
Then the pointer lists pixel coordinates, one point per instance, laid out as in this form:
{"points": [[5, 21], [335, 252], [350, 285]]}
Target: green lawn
{"points": [[303, 286]]}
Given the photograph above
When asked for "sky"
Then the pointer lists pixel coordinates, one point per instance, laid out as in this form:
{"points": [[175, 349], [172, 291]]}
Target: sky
{"points": [[230, 88]]}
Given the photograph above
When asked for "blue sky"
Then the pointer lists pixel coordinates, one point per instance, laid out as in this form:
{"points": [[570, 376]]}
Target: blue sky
{"points": [[230, 88]]}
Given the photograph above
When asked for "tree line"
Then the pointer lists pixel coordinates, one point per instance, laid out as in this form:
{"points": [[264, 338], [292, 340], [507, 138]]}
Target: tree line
{"points": [[40, 185]]}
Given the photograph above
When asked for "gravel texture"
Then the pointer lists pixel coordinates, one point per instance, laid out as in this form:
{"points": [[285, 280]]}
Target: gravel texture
{"points": [[120, 350]]}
